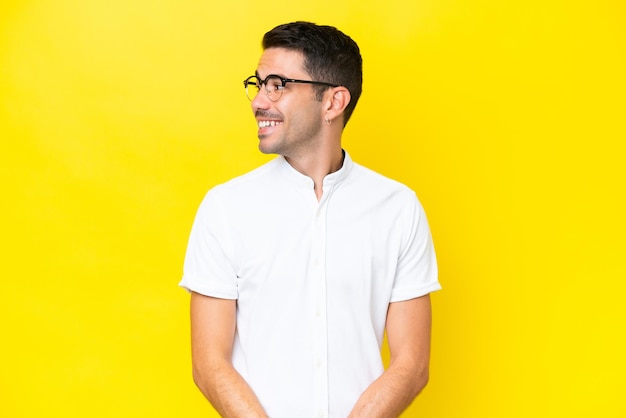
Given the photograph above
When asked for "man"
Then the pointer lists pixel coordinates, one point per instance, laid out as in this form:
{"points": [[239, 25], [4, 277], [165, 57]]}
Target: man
{"points": [[297, 268]]}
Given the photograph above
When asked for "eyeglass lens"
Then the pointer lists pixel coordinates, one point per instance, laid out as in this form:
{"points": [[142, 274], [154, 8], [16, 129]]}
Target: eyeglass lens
{"points": [[273, 87]]}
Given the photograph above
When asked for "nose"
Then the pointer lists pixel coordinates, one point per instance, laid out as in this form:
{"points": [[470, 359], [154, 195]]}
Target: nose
{"points": [[260, 100]]}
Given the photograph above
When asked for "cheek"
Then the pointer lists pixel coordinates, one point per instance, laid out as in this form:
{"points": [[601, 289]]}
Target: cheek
{"points": [[307, 113]]}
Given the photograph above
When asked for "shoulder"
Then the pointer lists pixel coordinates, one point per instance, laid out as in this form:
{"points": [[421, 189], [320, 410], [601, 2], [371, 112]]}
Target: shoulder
{"points": [[252, 178], [248, 184], [374, 184]]}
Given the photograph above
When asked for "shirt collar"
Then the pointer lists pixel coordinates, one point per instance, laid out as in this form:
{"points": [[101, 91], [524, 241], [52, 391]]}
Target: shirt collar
{"points": [[330, 179], [338, 176]]}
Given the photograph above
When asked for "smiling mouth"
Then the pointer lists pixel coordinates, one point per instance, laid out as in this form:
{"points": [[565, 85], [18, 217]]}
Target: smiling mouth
{"points": [[268, 123]]}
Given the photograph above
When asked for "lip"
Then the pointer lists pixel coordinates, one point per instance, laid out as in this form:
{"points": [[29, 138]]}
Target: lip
{"points": [[267, 121], [267, 126]]}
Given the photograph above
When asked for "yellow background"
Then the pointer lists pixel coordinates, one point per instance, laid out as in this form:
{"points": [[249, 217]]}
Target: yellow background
{"points": [[507, 118]]}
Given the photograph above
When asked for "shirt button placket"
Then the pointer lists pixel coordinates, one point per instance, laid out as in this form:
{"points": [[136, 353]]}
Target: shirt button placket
{"points": [[320, 321]]}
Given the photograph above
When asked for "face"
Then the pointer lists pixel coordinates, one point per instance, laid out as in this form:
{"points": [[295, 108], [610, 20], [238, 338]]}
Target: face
{"points": [[292, 125]]}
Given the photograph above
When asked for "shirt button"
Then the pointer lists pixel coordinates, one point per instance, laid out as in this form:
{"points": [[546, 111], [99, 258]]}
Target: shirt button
{"points": [[318, 363]]}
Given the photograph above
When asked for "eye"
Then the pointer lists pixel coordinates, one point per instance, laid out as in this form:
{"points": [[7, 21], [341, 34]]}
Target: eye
{"points": [[274, 84]]}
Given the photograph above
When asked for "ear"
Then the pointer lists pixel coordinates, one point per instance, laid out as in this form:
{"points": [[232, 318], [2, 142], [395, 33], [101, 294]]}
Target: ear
{"points": [[336, 101]]}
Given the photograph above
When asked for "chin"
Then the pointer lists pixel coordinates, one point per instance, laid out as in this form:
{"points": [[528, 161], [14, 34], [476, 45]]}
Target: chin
{"points": [[266, 150], [267, 147]]}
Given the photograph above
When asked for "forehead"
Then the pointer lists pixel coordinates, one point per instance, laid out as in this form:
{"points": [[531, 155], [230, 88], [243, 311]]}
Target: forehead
{"points": [[282, 62]]}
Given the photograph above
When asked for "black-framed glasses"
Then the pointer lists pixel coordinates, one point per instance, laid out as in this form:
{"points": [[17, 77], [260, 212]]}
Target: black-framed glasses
{"points": [[274, 85]]}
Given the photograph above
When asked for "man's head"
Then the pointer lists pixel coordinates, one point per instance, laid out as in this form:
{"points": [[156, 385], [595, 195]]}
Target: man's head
{"points": [[329, 56]]}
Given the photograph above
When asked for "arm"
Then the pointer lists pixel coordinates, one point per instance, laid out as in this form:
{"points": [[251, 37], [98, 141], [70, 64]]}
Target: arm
{"points": [[408, 335], [213, 323]]}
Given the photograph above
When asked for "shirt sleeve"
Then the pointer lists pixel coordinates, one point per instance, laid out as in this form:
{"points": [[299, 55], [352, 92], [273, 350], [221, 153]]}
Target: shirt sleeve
{"points": [[416, 273], [209, 267]]}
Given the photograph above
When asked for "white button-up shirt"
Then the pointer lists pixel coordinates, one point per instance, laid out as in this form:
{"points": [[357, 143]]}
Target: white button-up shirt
{"points": [[313, 280]]}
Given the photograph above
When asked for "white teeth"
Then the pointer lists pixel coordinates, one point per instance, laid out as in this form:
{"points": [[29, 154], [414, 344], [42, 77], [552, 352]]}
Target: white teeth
{"points": [[266, 123]]}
